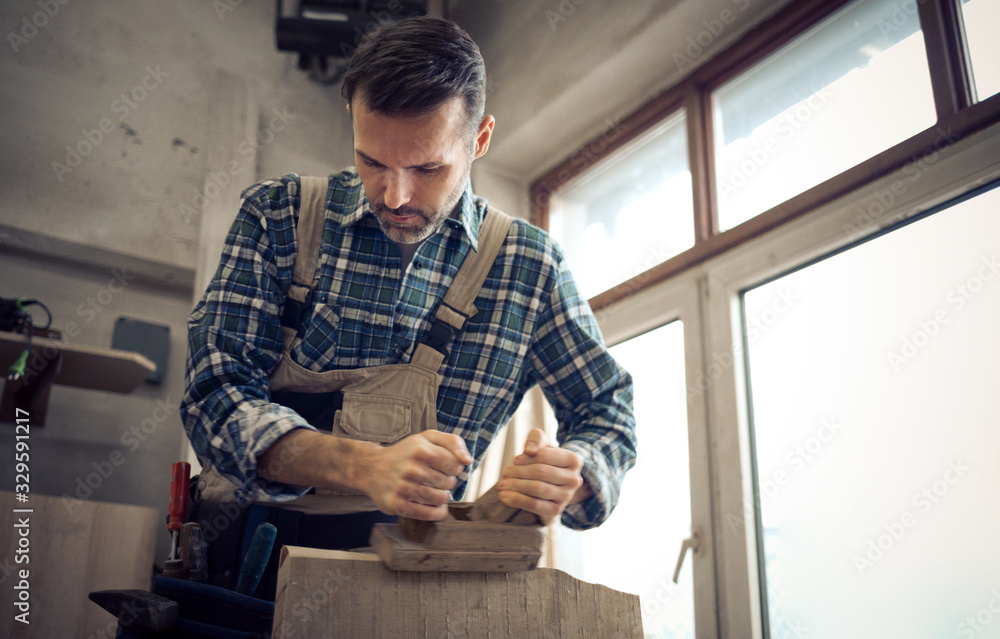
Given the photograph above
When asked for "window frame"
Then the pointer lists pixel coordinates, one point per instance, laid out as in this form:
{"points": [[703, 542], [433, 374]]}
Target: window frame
{"points": [[950, 70], [679, 300]]}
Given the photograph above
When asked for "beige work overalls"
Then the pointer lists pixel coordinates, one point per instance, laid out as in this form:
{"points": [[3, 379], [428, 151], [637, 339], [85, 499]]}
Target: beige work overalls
{"points": [[382, 403]]}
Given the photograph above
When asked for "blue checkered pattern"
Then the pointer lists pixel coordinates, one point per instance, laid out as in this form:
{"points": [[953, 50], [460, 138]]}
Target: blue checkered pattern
{"points": [[531, 328]]}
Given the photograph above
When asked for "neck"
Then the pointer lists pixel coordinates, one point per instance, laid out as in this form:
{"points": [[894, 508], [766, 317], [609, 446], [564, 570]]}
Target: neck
{"points": [[406, 252]]}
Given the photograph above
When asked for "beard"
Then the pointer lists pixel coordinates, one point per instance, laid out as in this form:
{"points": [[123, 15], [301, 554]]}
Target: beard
{"points": [[421, 223]]}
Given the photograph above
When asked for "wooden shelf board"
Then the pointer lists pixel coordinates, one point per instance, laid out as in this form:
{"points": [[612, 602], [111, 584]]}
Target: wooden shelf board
{"points": [[91, 367]]}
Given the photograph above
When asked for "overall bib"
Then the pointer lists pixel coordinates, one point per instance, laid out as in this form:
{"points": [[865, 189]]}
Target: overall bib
{"points": [[379, 404]]}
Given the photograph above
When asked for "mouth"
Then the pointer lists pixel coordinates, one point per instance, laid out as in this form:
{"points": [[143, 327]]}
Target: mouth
{"points": [[402, 216], [400, 219]]}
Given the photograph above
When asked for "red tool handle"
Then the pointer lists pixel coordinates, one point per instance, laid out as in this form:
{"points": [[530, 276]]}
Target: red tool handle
{"points": [[180, 479]]}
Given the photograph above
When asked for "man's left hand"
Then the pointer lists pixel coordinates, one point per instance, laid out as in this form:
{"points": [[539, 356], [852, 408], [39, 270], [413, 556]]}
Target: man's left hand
{"points": [[544, 479]]}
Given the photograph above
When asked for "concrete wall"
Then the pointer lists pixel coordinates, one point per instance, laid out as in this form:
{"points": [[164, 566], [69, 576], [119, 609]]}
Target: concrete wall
{"points": [[141, 92]]}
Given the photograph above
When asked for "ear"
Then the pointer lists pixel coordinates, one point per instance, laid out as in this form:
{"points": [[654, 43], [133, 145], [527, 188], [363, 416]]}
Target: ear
{"points": [[483, 136]]}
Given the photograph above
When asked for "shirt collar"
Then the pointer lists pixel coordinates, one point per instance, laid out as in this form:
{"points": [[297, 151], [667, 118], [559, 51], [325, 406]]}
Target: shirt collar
{"points": [[469, 211]]}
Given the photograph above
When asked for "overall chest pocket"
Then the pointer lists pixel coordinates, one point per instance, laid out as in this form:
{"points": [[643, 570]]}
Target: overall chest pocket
{"points": [[375, 418], [321, 336], [390, 404]]}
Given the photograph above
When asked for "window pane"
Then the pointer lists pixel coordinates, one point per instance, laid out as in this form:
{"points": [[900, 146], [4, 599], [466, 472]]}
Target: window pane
{"points": [[636, 549], [629, 213], [875, 400], [982, 21], [844, 91]]}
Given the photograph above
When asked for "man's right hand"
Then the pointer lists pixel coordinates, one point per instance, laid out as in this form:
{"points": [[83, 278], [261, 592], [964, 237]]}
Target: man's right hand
{"points": [[413, 477]]}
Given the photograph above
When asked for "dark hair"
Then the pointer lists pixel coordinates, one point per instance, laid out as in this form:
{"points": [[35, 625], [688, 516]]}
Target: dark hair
{"points": [[410, 67]]}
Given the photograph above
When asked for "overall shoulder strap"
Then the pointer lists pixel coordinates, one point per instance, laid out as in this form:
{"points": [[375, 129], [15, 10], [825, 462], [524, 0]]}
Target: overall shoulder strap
{"points": [[465, 287], [309, 237], [458, 304]]}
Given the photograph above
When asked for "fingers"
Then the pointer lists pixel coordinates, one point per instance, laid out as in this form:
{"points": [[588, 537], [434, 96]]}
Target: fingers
{"points": [[418, 495], [454, 445], [544, 482], [421, 511], [547, 509], [419, 473], [550, 456], [537, 440]]}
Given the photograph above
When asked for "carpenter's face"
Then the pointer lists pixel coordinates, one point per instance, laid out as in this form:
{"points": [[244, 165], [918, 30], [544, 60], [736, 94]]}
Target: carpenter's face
{"points": [[415, 169]]}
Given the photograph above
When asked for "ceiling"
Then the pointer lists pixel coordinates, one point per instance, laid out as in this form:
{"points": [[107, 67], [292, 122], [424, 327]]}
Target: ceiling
{"points": [[563, 72]]}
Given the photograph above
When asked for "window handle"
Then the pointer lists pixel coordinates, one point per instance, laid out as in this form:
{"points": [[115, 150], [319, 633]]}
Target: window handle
{"points": [[691, 542]]}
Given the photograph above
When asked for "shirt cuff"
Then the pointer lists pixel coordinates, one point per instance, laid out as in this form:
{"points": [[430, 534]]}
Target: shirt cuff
{"points": [[265, 424], [604, 483]]}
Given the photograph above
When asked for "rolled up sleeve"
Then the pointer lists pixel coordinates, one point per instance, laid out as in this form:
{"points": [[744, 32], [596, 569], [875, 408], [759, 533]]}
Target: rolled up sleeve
{"points": [[591, 395], [234, 342]]}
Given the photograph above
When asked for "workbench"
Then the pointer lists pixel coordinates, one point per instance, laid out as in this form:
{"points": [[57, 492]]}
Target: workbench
{"points": [[327, 593]]}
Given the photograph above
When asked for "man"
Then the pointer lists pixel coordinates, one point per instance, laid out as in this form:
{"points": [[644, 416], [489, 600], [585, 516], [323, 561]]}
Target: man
{"points": [[274, 344]]}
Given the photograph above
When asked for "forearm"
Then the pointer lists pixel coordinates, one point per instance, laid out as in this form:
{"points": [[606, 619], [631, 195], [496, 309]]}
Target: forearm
{"points": [[305, 457]]}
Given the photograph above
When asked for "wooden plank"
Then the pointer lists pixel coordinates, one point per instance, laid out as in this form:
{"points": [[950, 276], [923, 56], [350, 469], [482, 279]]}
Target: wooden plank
{"points": [[325, 594], [73, 548], [92, 367]]}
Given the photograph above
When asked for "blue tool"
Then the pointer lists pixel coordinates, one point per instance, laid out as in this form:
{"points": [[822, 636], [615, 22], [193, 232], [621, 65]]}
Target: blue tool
{"points": [[256, 559]]}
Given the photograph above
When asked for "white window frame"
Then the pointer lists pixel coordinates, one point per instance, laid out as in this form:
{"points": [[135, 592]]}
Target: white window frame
{"points": [[707, 300]]}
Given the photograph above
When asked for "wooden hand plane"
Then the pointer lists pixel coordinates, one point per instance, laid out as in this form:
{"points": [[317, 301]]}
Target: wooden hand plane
{"points": [[483, 536]]}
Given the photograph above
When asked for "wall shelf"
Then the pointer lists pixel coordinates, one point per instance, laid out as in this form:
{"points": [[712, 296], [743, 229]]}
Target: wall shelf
{"points": [[53, 361]]}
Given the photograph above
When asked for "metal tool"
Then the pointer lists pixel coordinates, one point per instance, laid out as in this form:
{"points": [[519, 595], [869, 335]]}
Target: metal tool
{"points": [[138, 608], [194, 552], [180, 481]]}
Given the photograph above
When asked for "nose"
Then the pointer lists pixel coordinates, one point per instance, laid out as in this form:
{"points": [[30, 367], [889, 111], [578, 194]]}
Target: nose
{"points": [[397, 189]]}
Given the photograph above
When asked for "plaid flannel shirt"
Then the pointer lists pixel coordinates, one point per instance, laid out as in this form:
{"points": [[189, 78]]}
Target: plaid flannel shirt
{"points": [[368, 309]]}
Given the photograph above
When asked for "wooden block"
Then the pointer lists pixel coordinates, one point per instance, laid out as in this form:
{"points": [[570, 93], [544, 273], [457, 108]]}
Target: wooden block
{"points": [[75, 548], [482, 535], [399, 553], [324, 594], [414, 529]]}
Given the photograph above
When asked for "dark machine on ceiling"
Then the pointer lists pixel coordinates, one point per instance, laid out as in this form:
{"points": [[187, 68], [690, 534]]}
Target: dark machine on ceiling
{"points": [[325, 32]]}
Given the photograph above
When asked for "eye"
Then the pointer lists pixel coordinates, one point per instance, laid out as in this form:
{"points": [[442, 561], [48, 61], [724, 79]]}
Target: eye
{"points": [[370, 163], [425, 170]]}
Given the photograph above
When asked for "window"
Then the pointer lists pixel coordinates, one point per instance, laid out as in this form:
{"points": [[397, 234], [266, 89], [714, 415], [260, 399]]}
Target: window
{"points": [[982, 21], [635, 550], [874, 401], [630, 212], [840, 340], [780, 127]]}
